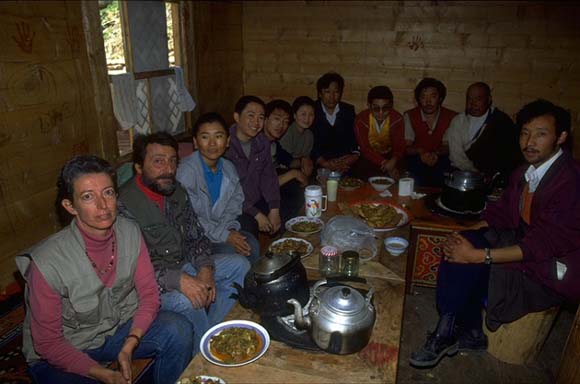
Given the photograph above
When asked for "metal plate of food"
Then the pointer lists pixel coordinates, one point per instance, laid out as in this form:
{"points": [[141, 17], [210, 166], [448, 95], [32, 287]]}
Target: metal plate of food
{"points": [[381, 216], [303, 225], [202, 379], [234, 343], [288, 244], [350, 183]]}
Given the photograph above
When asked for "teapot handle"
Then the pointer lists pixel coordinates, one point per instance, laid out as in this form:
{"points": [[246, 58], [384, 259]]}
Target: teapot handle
{"points": [[370, 294], [335, 280]]}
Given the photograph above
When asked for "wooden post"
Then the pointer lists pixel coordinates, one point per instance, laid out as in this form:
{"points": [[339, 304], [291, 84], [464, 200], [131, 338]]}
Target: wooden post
{"points": [[569, 370]]}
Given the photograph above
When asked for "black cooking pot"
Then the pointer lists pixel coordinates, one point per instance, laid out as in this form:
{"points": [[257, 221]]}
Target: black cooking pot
{"points": [[464, 191], [271, 282]]}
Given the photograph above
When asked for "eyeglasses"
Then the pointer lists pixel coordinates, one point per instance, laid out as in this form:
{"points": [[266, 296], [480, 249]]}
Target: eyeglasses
{"points": [[379, 108]]}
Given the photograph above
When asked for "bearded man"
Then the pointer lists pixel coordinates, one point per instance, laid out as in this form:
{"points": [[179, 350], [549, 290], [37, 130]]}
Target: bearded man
{"points": [[192, 281]]}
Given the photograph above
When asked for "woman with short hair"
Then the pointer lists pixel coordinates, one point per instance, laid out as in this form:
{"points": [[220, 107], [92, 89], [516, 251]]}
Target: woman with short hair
{"points": [[91, 292]]}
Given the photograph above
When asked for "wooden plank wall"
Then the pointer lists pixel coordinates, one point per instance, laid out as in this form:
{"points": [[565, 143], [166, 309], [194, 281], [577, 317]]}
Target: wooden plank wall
{"points": [[218, 55], [524, 50], [47, 114]]}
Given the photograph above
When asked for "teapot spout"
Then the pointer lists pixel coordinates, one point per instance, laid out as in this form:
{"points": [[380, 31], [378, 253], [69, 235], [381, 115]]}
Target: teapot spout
{"points": [[301, 321]]}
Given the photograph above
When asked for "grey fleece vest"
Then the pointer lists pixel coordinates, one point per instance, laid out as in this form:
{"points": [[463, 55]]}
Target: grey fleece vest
{"points": [[164, 241], [90, 311]]}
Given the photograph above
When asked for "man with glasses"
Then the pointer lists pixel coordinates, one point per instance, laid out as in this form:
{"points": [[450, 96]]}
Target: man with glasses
{"points": [[380, 133]]}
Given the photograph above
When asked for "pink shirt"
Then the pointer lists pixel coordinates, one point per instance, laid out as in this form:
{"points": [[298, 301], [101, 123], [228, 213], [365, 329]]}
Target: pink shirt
{"points": [[46, 306]]}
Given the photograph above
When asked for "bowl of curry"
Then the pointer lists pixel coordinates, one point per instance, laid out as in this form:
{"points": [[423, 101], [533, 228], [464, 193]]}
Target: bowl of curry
{"points": [[234, 343]]}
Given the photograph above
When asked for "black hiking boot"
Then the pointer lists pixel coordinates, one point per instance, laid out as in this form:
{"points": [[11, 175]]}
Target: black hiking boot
{"points": [[472, 340], [440, 343]]}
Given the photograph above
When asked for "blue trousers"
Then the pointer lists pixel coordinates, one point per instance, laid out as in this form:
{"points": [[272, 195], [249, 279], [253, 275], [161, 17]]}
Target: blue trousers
{"points": [[462, 288], [228, 248], [169, 341], [229, 268]]}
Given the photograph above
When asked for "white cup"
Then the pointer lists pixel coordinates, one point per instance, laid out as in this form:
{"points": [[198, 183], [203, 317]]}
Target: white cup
{"points": [[406, 185], [331, 189], [314, 201]]}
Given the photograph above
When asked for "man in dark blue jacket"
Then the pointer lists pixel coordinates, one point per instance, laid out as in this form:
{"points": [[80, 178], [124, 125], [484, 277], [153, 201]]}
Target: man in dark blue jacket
{"points": [[335, 145]]}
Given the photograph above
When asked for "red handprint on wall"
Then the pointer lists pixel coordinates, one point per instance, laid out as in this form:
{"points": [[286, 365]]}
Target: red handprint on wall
{"points": [[25, 36]]}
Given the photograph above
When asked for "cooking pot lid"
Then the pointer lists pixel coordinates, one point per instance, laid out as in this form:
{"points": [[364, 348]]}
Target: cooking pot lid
{"points": [[464, 180], [271, 263], [343, 299]]}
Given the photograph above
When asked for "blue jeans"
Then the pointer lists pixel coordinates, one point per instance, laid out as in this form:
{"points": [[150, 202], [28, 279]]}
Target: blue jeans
{"points": [[229, 268], [228, 248], [169, 341]]}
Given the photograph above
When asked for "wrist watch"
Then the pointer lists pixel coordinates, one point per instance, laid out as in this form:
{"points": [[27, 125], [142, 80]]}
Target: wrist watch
{"points": [[488, 260]]}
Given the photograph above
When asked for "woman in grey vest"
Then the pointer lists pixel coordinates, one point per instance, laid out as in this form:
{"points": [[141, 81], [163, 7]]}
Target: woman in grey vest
{"points": [[91, 293]]}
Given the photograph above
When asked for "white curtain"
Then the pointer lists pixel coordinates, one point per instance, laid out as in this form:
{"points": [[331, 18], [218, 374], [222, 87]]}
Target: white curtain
{"points": [[124, 99]]}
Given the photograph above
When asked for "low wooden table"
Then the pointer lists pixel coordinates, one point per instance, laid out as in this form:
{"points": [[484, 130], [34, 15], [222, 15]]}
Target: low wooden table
{"points": [[377, 363]]}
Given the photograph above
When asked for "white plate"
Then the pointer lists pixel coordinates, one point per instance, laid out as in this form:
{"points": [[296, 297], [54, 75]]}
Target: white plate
{"points": [[308, 244], [300, 219], [216, 329], [202, 377], [404, 219]]}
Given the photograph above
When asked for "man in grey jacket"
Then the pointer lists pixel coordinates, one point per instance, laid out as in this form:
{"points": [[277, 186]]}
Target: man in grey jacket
{"points": [[192, 280], [214, 189]]}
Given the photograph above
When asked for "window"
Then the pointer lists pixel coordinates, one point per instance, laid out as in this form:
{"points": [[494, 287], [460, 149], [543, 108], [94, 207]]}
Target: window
{"points": [[129, 45], [112, 28]]}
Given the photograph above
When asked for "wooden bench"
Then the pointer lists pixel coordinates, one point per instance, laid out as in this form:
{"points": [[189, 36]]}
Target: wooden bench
{"points": [[520, 342]]}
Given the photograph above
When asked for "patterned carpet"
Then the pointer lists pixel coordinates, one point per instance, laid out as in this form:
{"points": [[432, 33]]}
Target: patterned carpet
{"points": [[12, 364]]}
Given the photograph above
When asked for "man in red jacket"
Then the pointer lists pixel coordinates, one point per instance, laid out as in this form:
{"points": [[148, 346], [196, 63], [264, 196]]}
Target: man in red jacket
{"points": [[525, 255], [380, 134], [425, 128]]}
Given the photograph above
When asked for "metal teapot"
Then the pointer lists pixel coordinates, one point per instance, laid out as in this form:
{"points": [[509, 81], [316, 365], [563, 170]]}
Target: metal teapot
{"points": [[340, 319]]}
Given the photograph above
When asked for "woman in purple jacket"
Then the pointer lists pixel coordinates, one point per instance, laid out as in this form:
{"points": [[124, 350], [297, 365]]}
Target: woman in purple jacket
{"points": [[250, 152]]}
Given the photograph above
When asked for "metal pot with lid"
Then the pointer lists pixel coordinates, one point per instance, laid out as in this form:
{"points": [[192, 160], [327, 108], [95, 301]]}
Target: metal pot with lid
{"points": [[273, 280], [340, 319], [464, 191]]}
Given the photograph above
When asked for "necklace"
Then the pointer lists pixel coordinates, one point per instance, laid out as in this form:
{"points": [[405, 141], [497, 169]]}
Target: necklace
{"points": [[109, 264]]}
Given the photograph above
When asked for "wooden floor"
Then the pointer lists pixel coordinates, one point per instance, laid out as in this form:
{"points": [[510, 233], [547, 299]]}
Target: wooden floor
{"points": [[476, 368]]}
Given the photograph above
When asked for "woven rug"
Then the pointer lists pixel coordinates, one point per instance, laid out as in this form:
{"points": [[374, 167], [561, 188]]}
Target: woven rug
{"points": [[12, 363]]}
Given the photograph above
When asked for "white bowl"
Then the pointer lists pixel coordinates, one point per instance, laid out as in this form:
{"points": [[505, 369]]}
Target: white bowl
{"points": [[381, 187], [396, 245]]}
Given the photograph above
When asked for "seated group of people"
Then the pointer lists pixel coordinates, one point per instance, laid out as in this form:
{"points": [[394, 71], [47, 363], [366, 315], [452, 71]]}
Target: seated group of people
{"points": [[145, 270]]}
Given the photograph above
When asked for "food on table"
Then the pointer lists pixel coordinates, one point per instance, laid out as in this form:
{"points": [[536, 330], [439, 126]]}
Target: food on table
{"points": [[199, 380], [378, 215], [382, 181], [306, 226], [289, 245], [235, 345], [350, 182]]}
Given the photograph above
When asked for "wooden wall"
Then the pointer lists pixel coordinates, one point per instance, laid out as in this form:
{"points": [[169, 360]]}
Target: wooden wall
{"points": [[50, 109], [524, 50], [218, 55]]}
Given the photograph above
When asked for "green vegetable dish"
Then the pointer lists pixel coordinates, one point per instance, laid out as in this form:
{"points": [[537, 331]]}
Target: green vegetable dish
{"points": [[235, 345]]}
